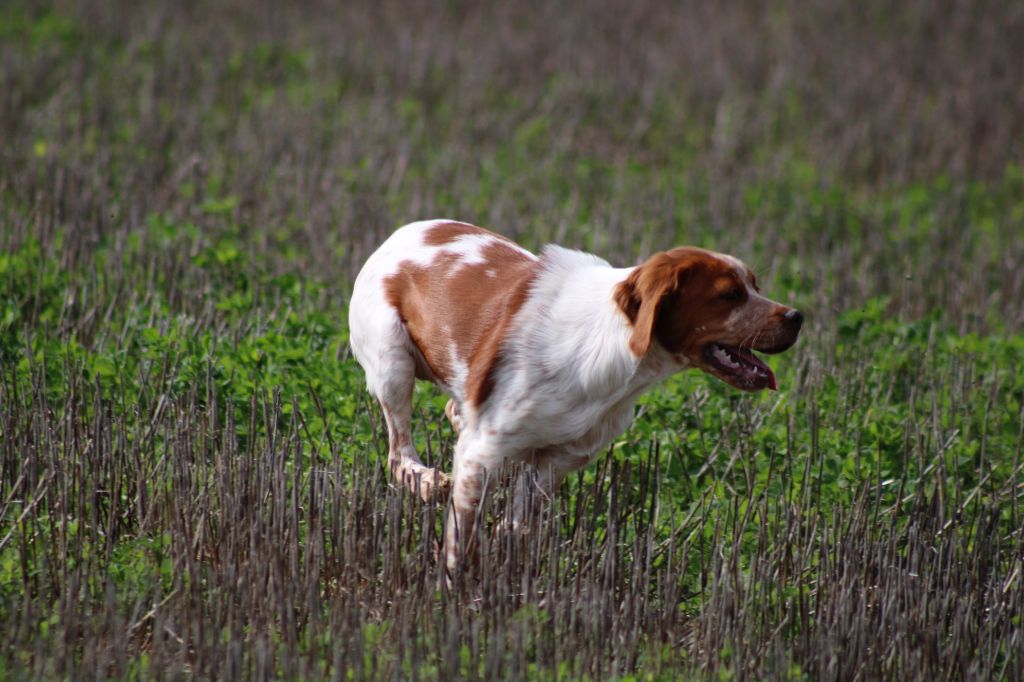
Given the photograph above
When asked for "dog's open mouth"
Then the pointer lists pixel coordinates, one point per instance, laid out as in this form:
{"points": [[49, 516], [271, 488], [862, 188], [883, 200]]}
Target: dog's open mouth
{"points": [[738, 367]]}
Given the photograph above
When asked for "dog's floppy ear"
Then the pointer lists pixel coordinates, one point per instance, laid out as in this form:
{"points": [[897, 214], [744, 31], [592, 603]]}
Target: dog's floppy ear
{"points": [[641, 295]]}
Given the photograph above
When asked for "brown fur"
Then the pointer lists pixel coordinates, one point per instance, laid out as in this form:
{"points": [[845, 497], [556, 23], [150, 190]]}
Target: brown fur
{"points": [[465, 304], [484, 362], [648, 294], [446, 233]]}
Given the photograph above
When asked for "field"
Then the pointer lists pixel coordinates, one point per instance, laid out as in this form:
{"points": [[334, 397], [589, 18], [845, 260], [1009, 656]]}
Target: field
{"points": [[193, 481]]}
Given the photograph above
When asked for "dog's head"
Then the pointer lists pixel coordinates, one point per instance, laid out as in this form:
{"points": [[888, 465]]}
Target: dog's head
{"points": [[705, 308]]}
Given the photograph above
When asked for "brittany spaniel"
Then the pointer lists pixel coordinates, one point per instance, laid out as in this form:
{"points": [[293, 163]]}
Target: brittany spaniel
{"points": [[543, 357]]}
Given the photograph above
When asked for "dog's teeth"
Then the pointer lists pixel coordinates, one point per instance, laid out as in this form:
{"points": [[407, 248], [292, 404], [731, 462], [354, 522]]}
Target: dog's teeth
{"points": [[725, 358]]}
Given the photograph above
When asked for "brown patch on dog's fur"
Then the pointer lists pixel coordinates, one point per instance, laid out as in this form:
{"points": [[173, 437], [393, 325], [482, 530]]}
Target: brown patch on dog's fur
{"points": [[484, 363], [660, 283], [446, 233], [450, 304]]}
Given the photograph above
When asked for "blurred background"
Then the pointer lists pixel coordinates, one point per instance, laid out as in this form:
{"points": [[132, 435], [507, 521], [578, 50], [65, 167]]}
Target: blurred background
{"points": [[310, 131]]}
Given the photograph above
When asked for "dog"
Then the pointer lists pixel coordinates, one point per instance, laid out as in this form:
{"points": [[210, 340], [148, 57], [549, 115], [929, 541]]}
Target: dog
{"points": [[543, 358]]}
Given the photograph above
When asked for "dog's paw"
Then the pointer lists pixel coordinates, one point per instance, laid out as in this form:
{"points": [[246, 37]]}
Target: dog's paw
{"points": [[431, 485], [451, 410]]}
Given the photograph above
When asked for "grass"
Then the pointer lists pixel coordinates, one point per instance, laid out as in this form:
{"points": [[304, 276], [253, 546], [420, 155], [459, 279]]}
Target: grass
{"points": [[192, 476]]}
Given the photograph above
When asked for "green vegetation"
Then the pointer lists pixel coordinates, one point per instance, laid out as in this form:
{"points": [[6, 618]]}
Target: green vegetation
{"points": [[193, 475]]}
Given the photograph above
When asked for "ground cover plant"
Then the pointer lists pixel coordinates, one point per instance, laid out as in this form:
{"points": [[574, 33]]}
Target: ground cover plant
{"points": [[192, 476]]}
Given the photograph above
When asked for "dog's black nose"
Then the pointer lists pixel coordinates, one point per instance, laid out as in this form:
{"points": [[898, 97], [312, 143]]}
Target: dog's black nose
{"points": [[794, 318]]}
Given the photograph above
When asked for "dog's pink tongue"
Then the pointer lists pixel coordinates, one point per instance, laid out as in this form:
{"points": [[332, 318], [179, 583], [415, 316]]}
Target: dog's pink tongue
{"points": [[771, 380]]}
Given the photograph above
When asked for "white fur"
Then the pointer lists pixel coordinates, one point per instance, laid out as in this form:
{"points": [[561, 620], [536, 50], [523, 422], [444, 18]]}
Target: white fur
{"points": [[569, 374], [376, 331]]}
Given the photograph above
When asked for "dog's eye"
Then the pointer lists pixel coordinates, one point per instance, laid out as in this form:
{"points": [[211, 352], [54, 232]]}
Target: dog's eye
{"points": [[734, 294]]}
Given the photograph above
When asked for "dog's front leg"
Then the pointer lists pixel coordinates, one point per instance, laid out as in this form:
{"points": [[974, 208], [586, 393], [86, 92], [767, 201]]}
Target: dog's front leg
{"points": [[539, 481], [469, 485]]}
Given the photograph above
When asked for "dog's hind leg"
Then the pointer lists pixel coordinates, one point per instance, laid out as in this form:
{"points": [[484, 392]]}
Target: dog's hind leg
{"points": [[395, 396], [382, 346]]}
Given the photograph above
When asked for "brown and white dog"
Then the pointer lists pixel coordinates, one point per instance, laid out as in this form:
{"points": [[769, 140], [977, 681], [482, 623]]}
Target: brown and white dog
{"points": [[543, 358]]}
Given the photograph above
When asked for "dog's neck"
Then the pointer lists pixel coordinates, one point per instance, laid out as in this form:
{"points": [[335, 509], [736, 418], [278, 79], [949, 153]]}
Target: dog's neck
{"points": [[583, 333]]}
